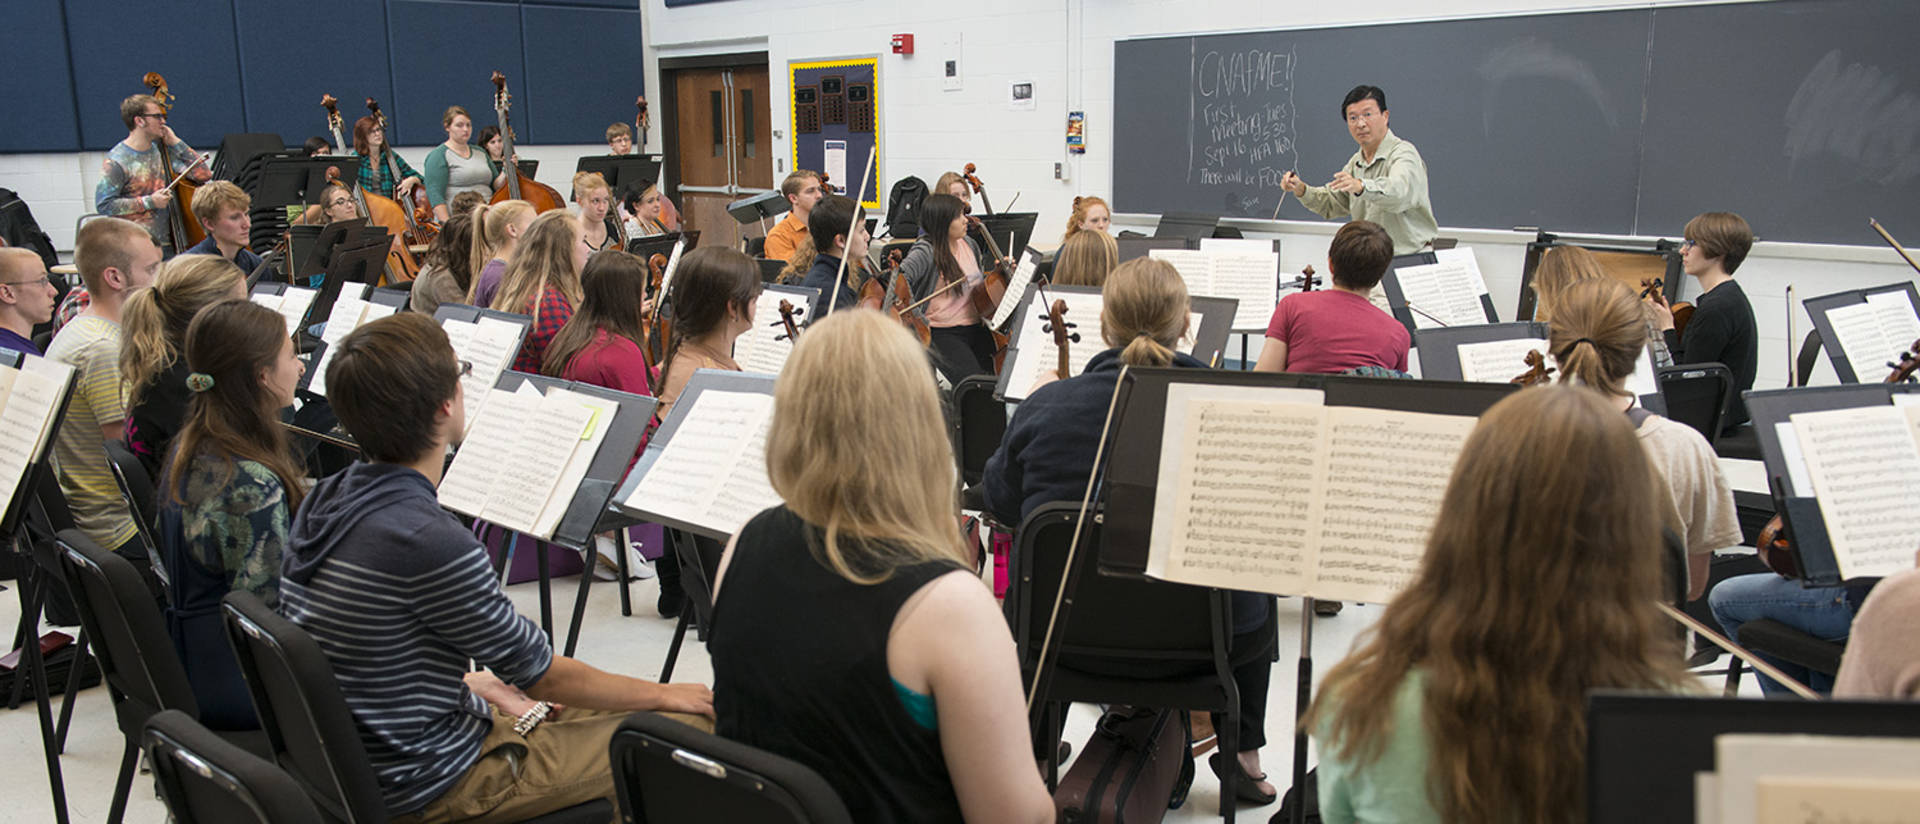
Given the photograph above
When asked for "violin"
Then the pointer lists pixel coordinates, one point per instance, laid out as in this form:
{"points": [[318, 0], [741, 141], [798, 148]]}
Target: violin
{"points": [[1307, 279], [786, 320], [898, 300], [1775, 546], [1538, 371], [1909, 361], [1057, 325], [379, 210], [1682, 311], [421, 227], [182, 230], [973, 180], [518, 186]]}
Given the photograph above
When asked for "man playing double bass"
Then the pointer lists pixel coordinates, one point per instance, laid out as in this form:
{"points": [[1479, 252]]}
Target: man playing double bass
{"points": [[132, 183]]}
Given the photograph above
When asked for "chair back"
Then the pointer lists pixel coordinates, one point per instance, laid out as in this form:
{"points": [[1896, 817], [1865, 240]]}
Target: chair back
{"points": [[1110, 617], [980, 422], [137, 486], [127, 632], [757, 247], [206, 780], [309, 728], [1696, 394], [667, 772], [1804, 362]]}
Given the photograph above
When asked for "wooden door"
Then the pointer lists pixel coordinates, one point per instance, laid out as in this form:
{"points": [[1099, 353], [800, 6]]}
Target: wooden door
{"points": [[724, 152]]}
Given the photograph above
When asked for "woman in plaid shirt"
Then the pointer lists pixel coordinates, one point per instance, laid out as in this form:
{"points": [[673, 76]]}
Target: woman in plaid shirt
{"points": [[543, 280], [383, 164]]}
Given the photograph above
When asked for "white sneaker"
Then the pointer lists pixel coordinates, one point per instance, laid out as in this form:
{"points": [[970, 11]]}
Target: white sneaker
{"points": [[637, 565]]}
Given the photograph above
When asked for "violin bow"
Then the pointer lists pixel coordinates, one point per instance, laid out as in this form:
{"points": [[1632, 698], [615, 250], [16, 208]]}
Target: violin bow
{"points": [[841, 276]]}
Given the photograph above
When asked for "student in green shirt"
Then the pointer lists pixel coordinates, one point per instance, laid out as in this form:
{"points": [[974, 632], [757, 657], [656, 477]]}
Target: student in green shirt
{"points": [[1466, 703]]}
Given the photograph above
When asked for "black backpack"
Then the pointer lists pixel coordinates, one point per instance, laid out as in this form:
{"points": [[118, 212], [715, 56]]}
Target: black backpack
{"points": [[19, 228], [903, 207]]}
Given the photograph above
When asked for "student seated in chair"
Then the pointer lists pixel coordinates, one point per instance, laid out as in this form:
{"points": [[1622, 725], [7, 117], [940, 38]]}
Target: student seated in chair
{"points": [[1048, 452], [840, 231], [1722, 329], [849, 631], [1466, 702], [802, 190], [400, 596], [153, 359], [26, 298], [1338, 329], [221, 208], [229, 492], [1085, 259], [1598, 334]]}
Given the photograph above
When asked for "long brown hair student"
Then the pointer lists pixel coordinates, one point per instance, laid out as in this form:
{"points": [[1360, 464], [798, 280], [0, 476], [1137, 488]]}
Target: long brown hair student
{"points": [[497, 229], [237, 346], [857, 594], [1085, 259], [152, 353], [612, 290], [1539, 583], [446, 273], [712, 302], [543, 280]]}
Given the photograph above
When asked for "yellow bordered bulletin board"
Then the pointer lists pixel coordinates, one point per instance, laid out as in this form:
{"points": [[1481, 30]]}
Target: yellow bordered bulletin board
{"points": [[836, 103]]}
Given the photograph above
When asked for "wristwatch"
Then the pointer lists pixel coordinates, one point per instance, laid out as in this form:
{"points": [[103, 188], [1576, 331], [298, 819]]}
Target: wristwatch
{"points": [[532, 717]]}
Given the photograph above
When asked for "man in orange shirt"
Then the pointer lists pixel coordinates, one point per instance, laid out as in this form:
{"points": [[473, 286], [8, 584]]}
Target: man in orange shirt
{"points": [[802, 189]]}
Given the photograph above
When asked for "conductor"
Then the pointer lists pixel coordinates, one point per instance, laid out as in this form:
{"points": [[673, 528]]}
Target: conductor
{"points": [[1385, 181]]}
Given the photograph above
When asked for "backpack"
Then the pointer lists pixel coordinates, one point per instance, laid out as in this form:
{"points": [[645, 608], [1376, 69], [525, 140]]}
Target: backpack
{"points": [[903, 207], [19, 228]]}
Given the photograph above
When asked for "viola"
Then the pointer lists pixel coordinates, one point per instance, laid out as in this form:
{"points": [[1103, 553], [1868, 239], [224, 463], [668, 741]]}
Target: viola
{"points": [[379, 210], [183, 232], [1775, 546], [786, 320], [897, 300], [518, 186], [973, 180], [1057, 325], [1538, 371], [1909, 361], [1682, 311], [1307, 279], [421, 227]]}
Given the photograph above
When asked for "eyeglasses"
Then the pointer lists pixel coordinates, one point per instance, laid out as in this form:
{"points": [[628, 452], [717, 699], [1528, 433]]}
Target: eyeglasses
{"points": [[161, 115], [45, 279], [1689, 243], [465, 368]]}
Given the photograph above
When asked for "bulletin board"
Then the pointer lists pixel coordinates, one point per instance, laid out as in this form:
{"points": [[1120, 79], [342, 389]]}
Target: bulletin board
{"points": [[836, 104]]}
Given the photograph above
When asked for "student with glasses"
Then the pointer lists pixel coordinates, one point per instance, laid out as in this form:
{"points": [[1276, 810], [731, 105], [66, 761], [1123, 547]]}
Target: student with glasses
{"points": [[26, 298], [133, 184]]}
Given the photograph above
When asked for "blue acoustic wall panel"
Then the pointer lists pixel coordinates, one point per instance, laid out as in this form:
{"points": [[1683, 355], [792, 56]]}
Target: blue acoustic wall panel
{"points": [[189, 42], [570, 99], [284, 83], [443, 53], [629, 5], [40, 115]]}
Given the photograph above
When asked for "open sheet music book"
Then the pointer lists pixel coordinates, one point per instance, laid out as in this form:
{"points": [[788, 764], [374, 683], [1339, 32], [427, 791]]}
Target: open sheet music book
{"points": [[490, 344], [764, 347], [1864, 466], [712, 471], [291, 304], [30, 399], [1267, 489], [525, 457], [1498, 361], [350, 310], [1017, 289], [1031, 352], [1451, 291], [1248, 277], [1875, 332]]}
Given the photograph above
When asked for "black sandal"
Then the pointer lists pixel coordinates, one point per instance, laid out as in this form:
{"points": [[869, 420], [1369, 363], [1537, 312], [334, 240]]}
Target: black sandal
{"points": [[1244, 789]]}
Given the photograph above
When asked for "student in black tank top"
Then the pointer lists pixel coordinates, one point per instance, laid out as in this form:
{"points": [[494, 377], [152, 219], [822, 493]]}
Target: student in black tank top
{"points": [[848, 633]]}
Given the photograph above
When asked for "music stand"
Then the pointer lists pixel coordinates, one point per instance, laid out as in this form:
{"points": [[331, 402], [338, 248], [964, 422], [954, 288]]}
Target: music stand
{"points": [[761, 207], [1799, 509], [1408, 314], [239, 148], [646, 247], [1139, 247], [622, 170], [529, 167], [1189, 225], [321, 252], [1011, 230], [1627, 261], [1817, 309]]}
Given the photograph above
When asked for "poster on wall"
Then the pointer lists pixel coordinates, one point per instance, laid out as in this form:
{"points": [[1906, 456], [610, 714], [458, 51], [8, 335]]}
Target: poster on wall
{"points": [[834, 114]]}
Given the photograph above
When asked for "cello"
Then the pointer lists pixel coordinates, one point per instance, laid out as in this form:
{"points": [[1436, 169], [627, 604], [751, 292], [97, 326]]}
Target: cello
{"points": [[183, 232], [420, 224], [1057, 325], [518, 187], [379, 210]]}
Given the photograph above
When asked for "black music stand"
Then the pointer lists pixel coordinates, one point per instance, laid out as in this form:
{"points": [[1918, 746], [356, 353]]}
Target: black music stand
{"points": [[1011, 230], [761, 208], [1189, 225], [1798, 508], [1667, 251], [1139, 247], [636, 170], [1397, 296], [320, 251], [1131, 482], [1817, 308]]}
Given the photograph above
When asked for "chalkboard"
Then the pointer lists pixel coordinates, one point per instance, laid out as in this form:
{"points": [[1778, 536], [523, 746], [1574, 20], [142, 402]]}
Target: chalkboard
{"points": [[1803, 115]]}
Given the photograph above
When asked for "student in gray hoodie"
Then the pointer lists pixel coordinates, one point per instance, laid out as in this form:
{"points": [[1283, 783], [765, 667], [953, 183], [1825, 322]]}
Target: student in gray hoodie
{"points": [[400, 597]]}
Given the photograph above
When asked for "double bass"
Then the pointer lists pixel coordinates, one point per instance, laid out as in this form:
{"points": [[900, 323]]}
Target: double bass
{"points": [[518, 187], [379, 210], [421, 227], [182, 230]]}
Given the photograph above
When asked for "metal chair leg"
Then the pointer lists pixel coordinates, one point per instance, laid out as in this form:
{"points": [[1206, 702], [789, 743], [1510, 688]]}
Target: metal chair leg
{"points": [[673, 650]]}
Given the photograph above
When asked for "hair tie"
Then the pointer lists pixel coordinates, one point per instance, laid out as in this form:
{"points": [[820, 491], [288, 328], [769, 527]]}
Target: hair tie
{"points": [[199, 381], [1076, 201], [1568, 350]]}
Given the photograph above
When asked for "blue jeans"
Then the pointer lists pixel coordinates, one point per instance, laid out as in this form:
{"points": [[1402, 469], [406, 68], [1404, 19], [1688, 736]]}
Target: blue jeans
{"points": [[1822, 612]]}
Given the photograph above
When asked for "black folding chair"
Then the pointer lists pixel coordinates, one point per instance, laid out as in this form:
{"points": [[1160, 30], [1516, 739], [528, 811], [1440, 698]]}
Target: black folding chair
{"points": [[668, 773], [205, 780]]}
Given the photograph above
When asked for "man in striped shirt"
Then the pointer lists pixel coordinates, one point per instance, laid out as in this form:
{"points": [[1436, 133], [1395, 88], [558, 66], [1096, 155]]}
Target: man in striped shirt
{"points": [[399, 596]]}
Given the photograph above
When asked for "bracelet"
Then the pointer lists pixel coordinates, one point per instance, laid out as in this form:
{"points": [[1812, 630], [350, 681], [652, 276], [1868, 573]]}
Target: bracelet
{"points": [[532, 717]]}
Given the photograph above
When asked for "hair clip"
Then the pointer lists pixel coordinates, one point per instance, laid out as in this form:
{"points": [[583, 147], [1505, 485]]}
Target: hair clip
{"points": [[199, 381]]}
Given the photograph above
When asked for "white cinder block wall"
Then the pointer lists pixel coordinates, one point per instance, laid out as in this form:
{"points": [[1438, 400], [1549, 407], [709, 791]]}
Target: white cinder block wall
{"points": [[1065, 48]]}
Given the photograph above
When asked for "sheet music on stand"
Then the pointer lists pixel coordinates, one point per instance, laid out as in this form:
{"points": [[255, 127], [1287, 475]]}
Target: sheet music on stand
{"points": [[34, 392], [292, 302], [1450, 289], [764, 347], [488, 340], [545, 455], [1031, 352], [1315, 485], [705, 470], [357, 304], [1484, 353], [1251, 278], [1864, 329], [1833, 455]]}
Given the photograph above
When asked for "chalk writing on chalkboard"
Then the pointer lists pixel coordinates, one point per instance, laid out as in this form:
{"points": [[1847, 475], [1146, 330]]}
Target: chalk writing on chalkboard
{"points": [[1241, 130]]}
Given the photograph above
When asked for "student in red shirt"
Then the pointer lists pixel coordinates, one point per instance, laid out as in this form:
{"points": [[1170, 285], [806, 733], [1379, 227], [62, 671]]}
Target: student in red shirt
{"points": [[600, 345], [1338, 329]]}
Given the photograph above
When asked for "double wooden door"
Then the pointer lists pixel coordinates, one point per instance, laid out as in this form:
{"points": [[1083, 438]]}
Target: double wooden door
{"points": [[725, 149]]}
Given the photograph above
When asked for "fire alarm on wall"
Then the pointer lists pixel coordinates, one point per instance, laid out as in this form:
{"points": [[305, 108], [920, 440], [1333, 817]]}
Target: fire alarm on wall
{"points": [[903, 44]]}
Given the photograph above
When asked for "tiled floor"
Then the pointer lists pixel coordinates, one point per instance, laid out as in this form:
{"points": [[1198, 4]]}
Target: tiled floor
{"points": [[632, 645]]}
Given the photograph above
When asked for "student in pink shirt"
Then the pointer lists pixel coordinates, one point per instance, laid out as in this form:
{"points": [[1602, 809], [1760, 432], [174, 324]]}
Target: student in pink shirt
{"points": [[1338, 329]]}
